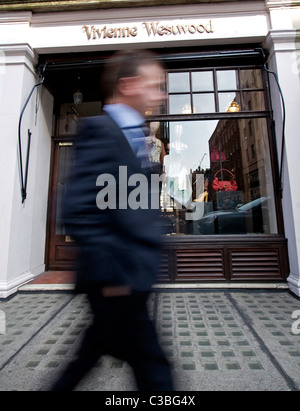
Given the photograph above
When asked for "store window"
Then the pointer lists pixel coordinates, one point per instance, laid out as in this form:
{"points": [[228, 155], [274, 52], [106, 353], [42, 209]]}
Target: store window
{"points": [[214, 131], [213, 91], [212, 143], [216, 161]]}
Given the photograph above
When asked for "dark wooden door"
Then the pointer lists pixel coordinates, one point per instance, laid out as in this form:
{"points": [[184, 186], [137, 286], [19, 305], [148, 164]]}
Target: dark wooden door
{"points": [[61, 248]]}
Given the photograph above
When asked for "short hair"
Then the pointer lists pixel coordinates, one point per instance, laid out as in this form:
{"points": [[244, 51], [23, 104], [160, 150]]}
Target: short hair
{"points": [[123, 64]]}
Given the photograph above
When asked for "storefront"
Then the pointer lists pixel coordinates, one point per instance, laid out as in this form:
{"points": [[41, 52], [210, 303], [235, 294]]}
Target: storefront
{"points": [[222, 125]]}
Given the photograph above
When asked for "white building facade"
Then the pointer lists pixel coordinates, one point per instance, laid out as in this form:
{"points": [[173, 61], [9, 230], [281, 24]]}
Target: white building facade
{"points": [[35, 38]]}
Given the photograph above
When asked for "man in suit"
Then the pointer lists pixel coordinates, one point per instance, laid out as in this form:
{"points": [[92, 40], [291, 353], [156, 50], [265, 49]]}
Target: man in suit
{"points": [[119, 244]]}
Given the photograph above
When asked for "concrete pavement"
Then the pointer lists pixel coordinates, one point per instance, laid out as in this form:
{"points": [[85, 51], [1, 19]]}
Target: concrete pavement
{"points": [[241, 340]]}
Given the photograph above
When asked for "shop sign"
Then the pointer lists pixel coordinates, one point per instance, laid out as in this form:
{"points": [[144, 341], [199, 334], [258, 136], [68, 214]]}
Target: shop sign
{"points": [[151, 29], [94, 32]]}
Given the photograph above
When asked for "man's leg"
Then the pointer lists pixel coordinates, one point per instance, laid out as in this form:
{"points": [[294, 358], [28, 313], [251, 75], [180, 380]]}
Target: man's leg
{"points": [[133, 338], [87, 356], [121, 328], [149, 363]]}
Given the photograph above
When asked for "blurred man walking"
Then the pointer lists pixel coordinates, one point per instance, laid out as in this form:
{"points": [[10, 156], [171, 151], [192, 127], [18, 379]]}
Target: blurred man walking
{"points": [[119, 246]]}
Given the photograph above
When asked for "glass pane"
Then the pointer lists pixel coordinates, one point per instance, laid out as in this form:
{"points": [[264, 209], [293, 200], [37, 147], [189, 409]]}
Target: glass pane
{"points": [[204, 156], [253, 100], [204, 103], [251, 78], [65, 161], [70, 113], [227, 102], [226, 80], [180, 104], [202, 81], [179, 82]]}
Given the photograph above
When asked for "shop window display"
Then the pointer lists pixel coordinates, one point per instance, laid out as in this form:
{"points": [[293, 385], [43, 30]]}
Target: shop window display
{"points": [[194, 153], [211, 185], [217, 171]]}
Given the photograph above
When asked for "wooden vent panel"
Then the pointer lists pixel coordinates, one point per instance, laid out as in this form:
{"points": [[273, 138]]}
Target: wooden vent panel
{"points": [[200, 265], [163, 274], [255, 264]]}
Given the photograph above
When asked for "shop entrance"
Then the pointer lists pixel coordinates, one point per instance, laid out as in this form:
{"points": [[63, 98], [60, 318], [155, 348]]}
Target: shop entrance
{"points": [[215, 129], [61, 247]]}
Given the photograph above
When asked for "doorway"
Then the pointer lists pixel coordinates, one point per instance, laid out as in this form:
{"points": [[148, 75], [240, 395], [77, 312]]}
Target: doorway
{"points": [[61, 247], [216, 118]]}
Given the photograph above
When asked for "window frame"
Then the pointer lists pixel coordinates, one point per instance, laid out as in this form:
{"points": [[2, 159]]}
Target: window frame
{"points": [[246, 114], [217, 114]]}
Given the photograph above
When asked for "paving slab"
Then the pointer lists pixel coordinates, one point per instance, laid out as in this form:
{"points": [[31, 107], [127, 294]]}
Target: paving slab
{"points": [[216, 340]]}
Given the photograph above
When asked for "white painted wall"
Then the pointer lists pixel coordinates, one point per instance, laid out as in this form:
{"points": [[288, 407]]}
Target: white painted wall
{"points": [[284, 60], [23, 225]]}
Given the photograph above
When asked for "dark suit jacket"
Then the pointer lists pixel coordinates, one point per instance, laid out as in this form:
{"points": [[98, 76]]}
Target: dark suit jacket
{"points": [[117, 246]]}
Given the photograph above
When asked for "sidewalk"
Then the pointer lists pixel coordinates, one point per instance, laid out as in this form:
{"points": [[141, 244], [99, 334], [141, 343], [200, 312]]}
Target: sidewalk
{"points": [[215, 339]]}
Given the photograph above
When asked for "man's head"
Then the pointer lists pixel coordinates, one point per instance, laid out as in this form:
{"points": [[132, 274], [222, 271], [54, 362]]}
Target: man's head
{"points": [[135, 78]]}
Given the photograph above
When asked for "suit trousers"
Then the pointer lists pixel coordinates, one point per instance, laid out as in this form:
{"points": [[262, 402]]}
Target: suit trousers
{"points": [[121, 328]]}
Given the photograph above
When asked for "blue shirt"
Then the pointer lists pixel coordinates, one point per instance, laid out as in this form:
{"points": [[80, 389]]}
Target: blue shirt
{"points": [[130, 122]]}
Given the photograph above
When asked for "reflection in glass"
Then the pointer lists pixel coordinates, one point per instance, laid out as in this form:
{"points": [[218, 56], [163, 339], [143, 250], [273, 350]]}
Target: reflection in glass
{"points": [[197, 152], [251, 78], [225, 100], [202, 81], [234, 107], [178, 104], [65, 161], [241, 87], [253, 100], [226, 80], [204, 103], [179, 82]]}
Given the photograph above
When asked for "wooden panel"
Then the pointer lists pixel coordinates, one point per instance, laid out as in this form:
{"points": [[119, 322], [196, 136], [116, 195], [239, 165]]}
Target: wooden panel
{"points": [[255, 264], [65, 253], [163, 275], [200, 265], [209, 259]]}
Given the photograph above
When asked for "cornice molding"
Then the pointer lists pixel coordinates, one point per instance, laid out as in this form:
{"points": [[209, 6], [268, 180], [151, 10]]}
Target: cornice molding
{"points": [[281, 41], [276, 4], [21, 53], [16, 17], [66, 5], [281, 36], [163, 12]]}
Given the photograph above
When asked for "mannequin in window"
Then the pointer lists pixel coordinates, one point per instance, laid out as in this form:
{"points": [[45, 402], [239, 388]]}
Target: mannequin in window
{"points": [[177, 169], [155, 148], [177, 146]]}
